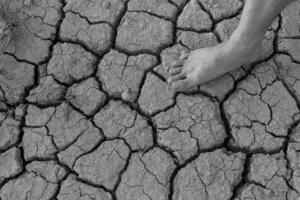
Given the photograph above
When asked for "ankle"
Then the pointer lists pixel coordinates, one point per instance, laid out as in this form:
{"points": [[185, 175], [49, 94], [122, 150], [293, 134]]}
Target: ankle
{"points": [[243, 44], [246, 40]]}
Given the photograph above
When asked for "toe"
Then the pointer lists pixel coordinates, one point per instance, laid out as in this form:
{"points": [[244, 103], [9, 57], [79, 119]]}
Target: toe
{"points": [[177, 63], [176, 77], [174, 71], [181, 85], [184, 55]]}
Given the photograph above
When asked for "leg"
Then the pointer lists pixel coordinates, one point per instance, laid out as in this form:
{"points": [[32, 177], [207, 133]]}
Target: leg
{"points": [[244, 46]]}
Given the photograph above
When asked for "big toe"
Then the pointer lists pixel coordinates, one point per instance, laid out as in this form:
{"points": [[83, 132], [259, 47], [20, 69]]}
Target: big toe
{"points": [[184, 55], [182, 85], [176, 77], [174, 71], [177, 63]]}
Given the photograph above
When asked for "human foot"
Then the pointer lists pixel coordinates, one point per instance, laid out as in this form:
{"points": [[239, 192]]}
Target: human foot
{"points": [[203, 65]]}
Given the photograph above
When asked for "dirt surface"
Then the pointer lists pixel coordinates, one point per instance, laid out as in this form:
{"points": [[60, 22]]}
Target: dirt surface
{"points": [[86, 112]]}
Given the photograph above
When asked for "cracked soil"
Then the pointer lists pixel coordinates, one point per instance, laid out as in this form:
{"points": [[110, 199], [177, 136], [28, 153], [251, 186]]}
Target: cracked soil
{"points": [[86, 112]]}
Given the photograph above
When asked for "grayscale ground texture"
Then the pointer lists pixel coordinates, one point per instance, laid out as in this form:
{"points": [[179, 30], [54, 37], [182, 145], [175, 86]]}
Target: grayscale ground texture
{"points": [[87, 114]]}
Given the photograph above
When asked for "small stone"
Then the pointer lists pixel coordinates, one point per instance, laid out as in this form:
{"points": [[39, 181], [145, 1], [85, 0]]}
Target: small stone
{"points": [[126, 95], [107, 5]]}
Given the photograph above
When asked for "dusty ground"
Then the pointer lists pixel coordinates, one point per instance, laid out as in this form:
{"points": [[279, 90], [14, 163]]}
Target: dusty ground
{"points": [[86, 112]]}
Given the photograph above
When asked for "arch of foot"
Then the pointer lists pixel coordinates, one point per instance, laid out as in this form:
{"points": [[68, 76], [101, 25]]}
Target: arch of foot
{"points": [[261, 110]]}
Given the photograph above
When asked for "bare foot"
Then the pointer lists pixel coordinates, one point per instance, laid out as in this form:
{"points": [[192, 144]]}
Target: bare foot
{"points": [[203, 65]]}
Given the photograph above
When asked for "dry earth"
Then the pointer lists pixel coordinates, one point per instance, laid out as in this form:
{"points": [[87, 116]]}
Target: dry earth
{"points": [[86, 113]]}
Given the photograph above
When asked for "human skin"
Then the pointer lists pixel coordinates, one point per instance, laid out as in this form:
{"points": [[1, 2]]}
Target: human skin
{"points": [[244, 45]]}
